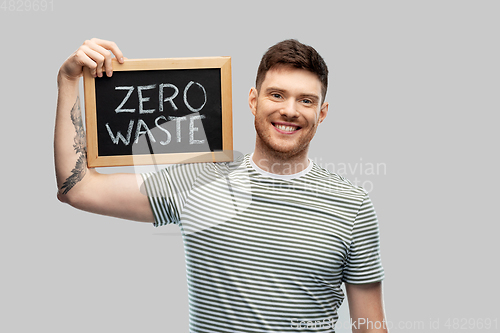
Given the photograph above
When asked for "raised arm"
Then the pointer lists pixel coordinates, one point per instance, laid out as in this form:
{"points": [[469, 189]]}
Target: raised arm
{"points": [[115, 195]]}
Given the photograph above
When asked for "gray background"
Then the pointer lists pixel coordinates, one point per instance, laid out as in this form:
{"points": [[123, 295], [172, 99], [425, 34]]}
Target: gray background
{"points": [[413, 88]]}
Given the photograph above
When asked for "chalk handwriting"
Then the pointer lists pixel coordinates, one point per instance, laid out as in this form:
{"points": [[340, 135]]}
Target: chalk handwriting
{"points": [[168, 99], [142, 128], [119, 108], [143, 99], [185, 97], [193, 129], [161, 98], [119, 135], [169, 136], [177, 126]]}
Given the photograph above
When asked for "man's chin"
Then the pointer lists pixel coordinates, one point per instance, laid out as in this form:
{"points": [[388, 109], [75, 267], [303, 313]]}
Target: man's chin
{"points": [[280, 149]]}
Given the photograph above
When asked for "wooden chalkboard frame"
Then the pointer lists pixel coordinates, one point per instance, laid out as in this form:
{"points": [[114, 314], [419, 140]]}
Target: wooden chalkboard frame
{"points": [[222, 63]]}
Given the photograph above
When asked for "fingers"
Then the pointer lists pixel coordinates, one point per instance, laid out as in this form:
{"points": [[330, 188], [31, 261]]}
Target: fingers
{"points": [[112, 47], [92, 59], [98, 54]]}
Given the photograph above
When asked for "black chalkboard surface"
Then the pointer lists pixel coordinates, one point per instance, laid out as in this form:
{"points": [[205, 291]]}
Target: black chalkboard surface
{"points": [[156, 111]]}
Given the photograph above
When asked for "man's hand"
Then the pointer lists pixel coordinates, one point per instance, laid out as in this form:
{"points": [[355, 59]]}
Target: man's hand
{"points": [[96, 54]]}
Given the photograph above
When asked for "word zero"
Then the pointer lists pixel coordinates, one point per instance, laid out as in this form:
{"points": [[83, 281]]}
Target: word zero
{"points": [[161, 98]]}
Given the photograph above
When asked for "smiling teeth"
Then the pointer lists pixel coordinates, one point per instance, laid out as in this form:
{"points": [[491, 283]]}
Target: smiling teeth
{"points": [[286, 128]]}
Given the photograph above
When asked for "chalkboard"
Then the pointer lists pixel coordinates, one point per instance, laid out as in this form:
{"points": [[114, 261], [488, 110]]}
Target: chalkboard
{"points": [[160, 111]]}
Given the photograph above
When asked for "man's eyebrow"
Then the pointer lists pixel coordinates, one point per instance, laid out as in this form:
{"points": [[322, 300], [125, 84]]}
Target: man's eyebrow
{"points": [[274, 89], [314, 97]]}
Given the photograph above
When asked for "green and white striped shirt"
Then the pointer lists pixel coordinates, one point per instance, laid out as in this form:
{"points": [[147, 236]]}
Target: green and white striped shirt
{"points": [[266, 252]]}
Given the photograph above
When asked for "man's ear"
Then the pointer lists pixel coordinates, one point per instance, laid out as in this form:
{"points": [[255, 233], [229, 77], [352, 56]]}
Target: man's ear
{"points": [[252, 100], [323, 112]]}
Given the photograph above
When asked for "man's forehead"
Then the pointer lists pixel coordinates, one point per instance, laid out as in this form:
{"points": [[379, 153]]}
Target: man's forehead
{"points": [[287, 76]]}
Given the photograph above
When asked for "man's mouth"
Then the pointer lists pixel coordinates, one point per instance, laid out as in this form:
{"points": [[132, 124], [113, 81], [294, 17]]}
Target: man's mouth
{"points": [[286, 128]]}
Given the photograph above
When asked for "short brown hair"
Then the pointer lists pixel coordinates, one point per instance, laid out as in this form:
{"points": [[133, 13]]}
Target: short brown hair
{"points": [[293, 53]]}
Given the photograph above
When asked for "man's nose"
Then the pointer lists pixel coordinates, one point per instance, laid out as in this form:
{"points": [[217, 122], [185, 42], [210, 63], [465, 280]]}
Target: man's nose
{"points": [[289, 109]]}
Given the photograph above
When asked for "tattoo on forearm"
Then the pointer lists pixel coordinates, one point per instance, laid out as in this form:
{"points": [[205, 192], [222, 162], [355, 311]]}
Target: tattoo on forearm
{"points": [[80, 147]]}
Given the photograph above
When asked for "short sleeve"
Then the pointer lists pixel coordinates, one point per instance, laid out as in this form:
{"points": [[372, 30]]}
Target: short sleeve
{"points": [[168, 190], [363, 263]]}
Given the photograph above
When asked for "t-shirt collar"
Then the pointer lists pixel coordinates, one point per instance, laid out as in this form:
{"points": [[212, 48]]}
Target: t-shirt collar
{"points": [[282, 177]]}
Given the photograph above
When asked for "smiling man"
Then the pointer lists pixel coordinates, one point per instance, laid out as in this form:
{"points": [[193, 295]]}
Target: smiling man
{"points": [[269, 238], [288, 108]]}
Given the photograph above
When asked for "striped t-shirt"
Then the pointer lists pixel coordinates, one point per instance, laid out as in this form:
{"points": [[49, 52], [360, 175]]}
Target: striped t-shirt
{"points": [[267, 253]]}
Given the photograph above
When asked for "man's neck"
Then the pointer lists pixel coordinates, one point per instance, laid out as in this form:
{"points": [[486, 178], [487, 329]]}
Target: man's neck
{"points": [[280, 164]]}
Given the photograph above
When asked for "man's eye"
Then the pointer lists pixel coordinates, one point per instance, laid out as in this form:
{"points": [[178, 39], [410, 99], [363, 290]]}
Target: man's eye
{"points": [[307, 101], [276, 95]]}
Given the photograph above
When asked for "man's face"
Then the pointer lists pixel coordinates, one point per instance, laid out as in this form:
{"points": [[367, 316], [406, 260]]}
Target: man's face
{"points": [[287, 110]]}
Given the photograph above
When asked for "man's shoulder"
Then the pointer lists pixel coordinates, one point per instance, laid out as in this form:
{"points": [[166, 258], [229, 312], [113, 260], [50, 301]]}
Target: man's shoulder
{"points": [[334, 182]]}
